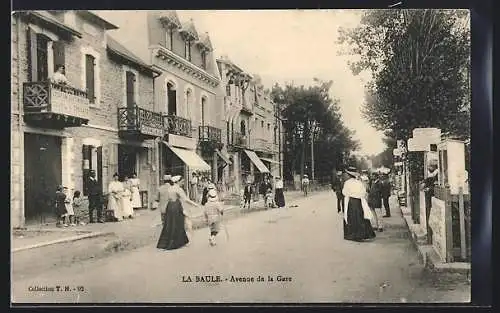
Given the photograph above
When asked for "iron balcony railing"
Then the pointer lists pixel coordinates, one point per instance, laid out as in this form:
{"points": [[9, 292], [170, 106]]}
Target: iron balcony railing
{"points": [[210, 133], [48, 97], [138, 120], [177, 125], [238, 140]]}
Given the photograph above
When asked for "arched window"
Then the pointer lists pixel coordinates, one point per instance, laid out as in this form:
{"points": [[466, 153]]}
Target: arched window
{"points": [[171, 99], [243, 128]]}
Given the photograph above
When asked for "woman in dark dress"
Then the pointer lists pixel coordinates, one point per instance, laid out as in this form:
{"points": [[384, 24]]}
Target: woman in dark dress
{"points": [[279, 197], [173, 235], [357, 214]]}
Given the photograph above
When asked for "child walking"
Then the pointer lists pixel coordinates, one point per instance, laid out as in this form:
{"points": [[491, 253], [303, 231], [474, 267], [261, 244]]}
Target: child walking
{"points": [[70, 214], [77, 207], [213, 212]]}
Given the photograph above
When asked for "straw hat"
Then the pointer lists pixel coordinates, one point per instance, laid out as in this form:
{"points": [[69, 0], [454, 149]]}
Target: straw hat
{"points": [[176, 178], [167, 177], [211, 186], [353, 171], [212, 193]]}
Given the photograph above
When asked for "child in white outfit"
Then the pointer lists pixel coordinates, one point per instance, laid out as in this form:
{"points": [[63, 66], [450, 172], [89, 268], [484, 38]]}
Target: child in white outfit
{"points": [[213, 212]]}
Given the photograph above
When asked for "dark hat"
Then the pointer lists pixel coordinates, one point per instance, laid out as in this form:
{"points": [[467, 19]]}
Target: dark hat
{"points": [[353, 171]]}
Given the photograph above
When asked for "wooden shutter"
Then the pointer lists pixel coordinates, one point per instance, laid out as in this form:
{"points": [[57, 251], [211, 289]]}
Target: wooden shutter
{"points": [[130, 83], [32, 56], [90, 77], [86, 166], [59, 54], [42, 58], [98, 166]]}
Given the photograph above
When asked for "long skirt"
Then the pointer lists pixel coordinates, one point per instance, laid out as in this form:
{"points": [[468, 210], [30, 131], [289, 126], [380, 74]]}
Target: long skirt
{"points": [[173, 235], [136, 198], [115, 205], [279, 198], [357, 228]]}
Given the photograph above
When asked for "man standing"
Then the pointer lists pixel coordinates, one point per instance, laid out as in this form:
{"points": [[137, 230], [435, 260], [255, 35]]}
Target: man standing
{"points": [[429, 182], [162, 196], [337, 184], [305, 184], [95, 194], [385, 193], [247, 194]]}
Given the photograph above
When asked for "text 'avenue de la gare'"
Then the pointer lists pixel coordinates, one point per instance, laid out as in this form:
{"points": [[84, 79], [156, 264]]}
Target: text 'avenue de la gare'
{"points": [[234, 279]]}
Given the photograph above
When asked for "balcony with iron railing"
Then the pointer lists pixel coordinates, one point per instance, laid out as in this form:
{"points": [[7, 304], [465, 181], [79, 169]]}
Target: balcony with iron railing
{"points": [[210, 133], [238, 140], [52, 105], [262, 144], [140, 123], [177, 125]]}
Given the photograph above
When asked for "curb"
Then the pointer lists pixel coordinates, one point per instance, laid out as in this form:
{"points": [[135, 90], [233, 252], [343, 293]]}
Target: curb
{"points": [[63, 240], [426, 254]]}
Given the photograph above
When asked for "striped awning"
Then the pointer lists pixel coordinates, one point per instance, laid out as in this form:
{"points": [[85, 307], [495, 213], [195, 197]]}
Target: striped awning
{"points": [[257, 162], [270, 160], [191, 159]]}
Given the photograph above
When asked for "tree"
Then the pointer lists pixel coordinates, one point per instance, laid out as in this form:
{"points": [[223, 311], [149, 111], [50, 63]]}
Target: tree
{"points": [[311, 113], [419, 61]]}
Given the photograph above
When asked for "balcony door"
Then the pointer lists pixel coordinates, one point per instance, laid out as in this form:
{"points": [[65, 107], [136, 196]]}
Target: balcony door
{"points": [[171, 99]]}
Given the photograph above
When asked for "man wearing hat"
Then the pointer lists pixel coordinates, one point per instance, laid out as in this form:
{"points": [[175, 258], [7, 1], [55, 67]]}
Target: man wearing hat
{"points": [[208, 187], [305, 184], [94, 191], [162, 195], [385, 193], [337, 185]]}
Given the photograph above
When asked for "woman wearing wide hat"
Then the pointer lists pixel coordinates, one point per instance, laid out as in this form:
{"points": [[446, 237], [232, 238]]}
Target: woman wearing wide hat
{"points": [[357, 214]]}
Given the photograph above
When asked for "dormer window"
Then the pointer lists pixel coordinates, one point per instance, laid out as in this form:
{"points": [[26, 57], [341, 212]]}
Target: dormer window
{"points": [[204, 59], [170, 39], [187, 50]]}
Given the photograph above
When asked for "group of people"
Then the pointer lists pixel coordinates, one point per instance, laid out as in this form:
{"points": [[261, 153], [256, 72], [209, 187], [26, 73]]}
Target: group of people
{"points": [[66, 206], [265, 190], [176, 215], [123, 197], [359, 195]]}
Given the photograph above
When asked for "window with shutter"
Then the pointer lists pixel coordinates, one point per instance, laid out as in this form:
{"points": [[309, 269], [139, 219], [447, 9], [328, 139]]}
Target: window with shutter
{"points": [[172, 100], [90, 77], [42, 57], [130, 84], [32, 56]]}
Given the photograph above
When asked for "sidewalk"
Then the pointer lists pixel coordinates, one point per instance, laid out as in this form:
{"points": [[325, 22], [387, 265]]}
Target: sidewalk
{"points": [[64, 246]]}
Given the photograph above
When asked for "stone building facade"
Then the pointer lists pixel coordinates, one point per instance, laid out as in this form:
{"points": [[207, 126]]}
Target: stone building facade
{"points": [[61, 132]]}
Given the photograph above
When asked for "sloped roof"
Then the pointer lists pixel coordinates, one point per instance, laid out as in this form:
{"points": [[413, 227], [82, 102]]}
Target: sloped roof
{"points": [[171, 17], [188, 27], [116, 47]]}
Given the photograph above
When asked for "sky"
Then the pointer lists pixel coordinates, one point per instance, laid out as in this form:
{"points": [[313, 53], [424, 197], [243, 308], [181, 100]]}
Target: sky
{"points": [[292, 46]]}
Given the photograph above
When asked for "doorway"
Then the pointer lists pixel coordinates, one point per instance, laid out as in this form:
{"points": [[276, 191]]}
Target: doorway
{"points": [[42, 175], [127, 160]]}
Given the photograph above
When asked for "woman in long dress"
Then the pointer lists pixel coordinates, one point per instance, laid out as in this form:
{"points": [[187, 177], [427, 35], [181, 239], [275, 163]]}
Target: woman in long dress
{"points": [[173, 234], [115, 190], [136, 196], [357, 214], [279, 197], [128, 210]]}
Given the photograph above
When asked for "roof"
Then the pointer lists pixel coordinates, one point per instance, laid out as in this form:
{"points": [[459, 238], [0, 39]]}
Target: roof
{"points": [[205, 41], [97, 19], [47, 19], [116, 47]]}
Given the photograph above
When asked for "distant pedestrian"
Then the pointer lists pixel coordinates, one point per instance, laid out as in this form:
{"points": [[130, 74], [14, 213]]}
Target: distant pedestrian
{"points": [[337, 185], [213, 212], [94, 191], [60, 207], [305, 185], [385, 192], [279, 196], [357, 214], [193, 191], [208, 186], [247, 194]]}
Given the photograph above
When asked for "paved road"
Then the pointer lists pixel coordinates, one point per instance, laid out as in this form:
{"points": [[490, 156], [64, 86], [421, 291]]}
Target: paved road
{"points": [[301, 248]]}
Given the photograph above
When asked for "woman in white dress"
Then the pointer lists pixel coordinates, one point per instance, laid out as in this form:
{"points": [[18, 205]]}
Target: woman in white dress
{"points": [[115, 190], [128, 210], [136, 197]]}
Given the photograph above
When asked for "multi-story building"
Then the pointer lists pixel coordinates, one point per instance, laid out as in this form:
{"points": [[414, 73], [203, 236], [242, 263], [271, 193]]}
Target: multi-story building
{"points": [[187, 92], [102, 119], [250, 126]]}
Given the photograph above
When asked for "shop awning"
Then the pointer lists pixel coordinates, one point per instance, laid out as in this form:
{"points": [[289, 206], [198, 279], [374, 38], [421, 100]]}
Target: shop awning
{"points": [[270, 160], [191, 159], [224, 157], [257, 162]]}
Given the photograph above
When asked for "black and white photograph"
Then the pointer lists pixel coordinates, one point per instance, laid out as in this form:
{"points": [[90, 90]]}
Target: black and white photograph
{"points": [[240, 156]]}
